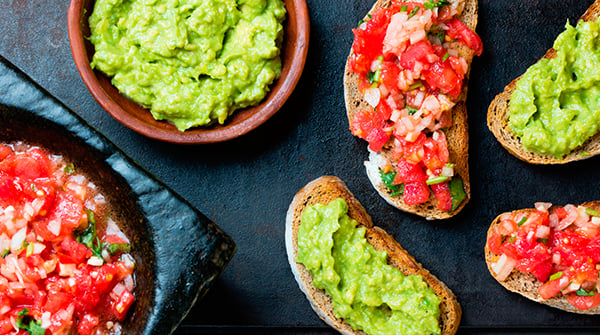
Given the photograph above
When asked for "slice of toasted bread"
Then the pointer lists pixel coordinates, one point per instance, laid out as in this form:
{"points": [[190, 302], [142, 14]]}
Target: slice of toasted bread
{"points": [[497, 119], [526, 284], [322, 191], [456, 135]]}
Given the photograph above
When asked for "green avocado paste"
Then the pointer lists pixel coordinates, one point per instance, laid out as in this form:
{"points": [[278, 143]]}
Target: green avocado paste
{"points": [[366, 292], [556, 104], [191, 62]]}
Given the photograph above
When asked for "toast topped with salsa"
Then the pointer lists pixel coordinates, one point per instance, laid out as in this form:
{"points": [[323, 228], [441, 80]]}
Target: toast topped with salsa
{"points": [[405, 88]]}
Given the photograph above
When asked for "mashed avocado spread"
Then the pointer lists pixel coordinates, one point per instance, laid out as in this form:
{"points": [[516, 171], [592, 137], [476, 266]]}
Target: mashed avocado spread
{"points": [[367, 293], [556, 104], [192, 62]]}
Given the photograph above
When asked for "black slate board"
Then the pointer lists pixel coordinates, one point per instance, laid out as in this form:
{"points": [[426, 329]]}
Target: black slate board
{"points": [[245, 185], [178, 251]]}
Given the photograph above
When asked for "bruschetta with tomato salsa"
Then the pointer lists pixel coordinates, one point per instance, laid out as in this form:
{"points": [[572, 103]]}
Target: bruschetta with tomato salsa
{"points": [[405, 90], [549, 254]]}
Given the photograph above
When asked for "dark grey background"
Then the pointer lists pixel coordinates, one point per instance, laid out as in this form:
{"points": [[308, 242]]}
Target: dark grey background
{"points": [[245, 185]]}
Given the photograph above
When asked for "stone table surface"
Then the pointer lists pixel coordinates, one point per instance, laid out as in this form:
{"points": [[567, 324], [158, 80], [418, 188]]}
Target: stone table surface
{"points": [[245, 185]]}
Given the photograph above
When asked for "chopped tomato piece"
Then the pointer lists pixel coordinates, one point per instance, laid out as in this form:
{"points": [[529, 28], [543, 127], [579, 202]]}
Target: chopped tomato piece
{"points": [[409, 173], [419, 52], [457, 30], [441, 75], [32, 164], [389, 75], [553, 287], [584, 302], [443, 196], [122, 304], [5, 150], [415, 193], [369, 126], [368, 42]]}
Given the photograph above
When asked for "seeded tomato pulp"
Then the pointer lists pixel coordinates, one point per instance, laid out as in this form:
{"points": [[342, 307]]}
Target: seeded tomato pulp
{"points": [[65, 265], [410, 73]]}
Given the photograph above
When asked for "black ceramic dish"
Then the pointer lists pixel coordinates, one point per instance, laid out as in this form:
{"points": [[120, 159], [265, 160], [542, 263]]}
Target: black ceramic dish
{"points": [[178, 251]]}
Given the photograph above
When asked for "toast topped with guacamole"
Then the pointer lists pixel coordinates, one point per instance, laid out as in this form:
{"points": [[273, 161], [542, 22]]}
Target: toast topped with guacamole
{"points": [[563, 126], [549, 254], [325, 218], [405, 87]]}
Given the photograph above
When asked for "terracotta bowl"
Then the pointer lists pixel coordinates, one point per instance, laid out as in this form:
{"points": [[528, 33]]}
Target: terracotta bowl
{"points": [[178, 251], [139, 119]]}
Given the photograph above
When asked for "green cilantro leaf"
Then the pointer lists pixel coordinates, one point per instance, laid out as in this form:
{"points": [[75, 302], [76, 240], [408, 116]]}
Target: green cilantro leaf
{"points": [[88, 236], [115, 248], [583, 293], [457, 192], [388, 180]]}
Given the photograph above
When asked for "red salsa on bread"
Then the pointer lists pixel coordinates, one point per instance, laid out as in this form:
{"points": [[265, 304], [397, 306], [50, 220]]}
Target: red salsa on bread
{"points": [[560, 246], [411, 75], [65, 266]]}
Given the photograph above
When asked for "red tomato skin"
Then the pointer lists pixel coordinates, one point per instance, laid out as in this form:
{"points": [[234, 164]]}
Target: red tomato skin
{"points": [[552, 287], [389, 76], [443, 196], [440, 75], [68, 209], [368, 42], [592, 249], [87, 324], [410, 173], [30, 165], [415, 193], [121, 306], [369, 126], [457, 30], [584, 303], [5, 151], [418, 52]]}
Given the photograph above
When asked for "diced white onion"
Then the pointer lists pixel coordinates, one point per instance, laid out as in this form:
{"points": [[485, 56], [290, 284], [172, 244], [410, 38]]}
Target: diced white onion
{"points": [[542, 232], [419, 98], [129, 283], [95, 261], [66, 270], [17, 240], [503, 267], [447, 171], [596, 220], [542, 206], [54, 226], [372, 96], [395, 115]]}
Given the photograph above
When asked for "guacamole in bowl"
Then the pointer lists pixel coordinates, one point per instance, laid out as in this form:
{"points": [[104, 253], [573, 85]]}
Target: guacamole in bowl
{"points": [[190, 62]]}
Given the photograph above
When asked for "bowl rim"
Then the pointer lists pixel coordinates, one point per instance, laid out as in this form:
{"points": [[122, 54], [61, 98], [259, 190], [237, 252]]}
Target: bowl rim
{"points": [[280, 90]]}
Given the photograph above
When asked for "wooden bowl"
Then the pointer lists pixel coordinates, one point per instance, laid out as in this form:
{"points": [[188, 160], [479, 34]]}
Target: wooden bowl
{"points": [[178, 251], [139, 119]]}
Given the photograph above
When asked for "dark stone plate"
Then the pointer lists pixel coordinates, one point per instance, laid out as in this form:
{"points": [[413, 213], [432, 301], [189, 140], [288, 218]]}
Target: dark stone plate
{"points": [[178, 251]]}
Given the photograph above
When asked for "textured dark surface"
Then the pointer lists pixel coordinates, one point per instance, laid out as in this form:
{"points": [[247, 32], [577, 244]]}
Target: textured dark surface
{"points": [[246, 185], [178, 251]]}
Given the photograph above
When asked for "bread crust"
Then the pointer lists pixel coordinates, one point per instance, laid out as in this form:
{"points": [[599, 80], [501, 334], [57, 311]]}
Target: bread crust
{"points": [[325, 189], [526, 284], [456, 135], [497, 119]]}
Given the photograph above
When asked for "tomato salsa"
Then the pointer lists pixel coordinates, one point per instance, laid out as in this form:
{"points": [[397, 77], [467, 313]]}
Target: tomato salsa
{"points": [[410, 73], [65, 266], [560, 246]]}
